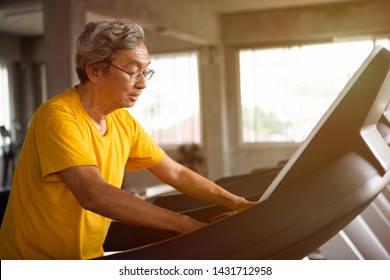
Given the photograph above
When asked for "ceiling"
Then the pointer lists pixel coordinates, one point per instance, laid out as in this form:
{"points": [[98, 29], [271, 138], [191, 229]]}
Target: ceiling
{"points": [[22, 19], [234, 6], [26, 19]]}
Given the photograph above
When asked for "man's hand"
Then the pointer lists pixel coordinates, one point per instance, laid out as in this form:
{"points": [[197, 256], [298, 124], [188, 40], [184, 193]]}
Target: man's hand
{"points": [[245, 204]]}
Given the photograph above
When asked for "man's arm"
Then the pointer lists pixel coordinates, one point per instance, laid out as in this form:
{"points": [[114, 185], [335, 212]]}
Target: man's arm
{"points": [[195, 185], [94, 194]]}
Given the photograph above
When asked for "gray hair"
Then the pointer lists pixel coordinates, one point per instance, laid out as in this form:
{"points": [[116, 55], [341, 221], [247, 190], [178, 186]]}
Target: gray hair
{"points": [[99, 40]]}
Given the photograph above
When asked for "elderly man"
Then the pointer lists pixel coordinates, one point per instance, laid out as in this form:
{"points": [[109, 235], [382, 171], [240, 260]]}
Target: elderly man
{"points": [[66, 188]]}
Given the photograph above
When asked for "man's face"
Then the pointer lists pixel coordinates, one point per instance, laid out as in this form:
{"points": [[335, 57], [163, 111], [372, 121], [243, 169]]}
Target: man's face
{"points": [[123, 89]]}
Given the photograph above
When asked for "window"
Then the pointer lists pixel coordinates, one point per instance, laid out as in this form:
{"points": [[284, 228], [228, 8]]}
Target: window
{"points": [[4, 97], [4, 104], [169, 107], [285, 91]]}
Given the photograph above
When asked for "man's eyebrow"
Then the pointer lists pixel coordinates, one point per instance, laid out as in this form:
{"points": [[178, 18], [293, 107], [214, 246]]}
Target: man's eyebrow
{"points": [[136, 63]]}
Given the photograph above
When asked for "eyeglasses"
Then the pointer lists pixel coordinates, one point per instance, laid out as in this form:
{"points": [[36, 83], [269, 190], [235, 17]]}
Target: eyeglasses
{"points": [[136, 76]]}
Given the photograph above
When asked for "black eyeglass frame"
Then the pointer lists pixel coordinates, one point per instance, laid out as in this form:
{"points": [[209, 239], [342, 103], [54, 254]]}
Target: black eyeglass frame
{"points": [[136, 76]]}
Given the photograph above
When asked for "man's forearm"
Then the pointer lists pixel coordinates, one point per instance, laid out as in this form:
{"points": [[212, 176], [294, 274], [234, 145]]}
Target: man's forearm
{"points": [[126, 208]]}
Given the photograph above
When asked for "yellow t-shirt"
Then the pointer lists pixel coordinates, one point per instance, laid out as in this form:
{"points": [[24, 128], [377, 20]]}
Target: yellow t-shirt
{"points": [[43, 219]]}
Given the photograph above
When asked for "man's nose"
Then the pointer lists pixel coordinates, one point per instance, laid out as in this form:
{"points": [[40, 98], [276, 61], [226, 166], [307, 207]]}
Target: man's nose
{"points": [[141, 83]]}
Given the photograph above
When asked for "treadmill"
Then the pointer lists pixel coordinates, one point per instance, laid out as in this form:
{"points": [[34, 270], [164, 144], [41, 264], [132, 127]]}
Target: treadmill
{"points": [[337, 172]]}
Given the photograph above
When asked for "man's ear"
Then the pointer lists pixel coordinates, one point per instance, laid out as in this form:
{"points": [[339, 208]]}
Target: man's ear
{"points": [[94, 73]]}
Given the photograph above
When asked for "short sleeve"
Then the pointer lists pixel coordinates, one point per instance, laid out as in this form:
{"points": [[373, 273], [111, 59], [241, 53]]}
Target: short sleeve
{"points": [[60, 142]]}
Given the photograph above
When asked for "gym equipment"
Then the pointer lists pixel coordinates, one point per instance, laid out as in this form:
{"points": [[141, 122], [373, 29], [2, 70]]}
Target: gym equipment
{"points": [[337, 172]]}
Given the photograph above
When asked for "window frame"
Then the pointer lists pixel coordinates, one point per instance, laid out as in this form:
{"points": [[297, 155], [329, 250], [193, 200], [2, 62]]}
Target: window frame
{"points": [[240, 125], [174, 146]]}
